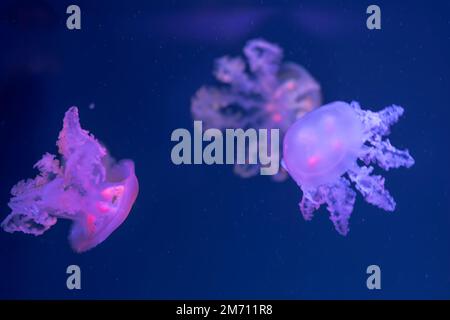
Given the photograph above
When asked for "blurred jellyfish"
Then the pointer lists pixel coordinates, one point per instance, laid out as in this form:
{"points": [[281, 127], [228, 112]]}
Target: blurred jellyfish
{"points": [[320, 152], [268, 93], [86, 186]]}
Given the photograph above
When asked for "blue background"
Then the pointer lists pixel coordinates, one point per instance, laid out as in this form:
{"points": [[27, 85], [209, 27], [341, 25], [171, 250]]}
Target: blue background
{"points": [[201, 231]]}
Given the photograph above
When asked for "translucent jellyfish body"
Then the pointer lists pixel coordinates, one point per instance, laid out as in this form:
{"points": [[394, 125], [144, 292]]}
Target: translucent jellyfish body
{"points": [[321, 153], [266, 93], [86, 186]]}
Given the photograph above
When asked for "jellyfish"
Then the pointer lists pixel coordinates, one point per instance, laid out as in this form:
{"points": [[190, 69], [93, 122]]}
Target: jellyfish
{"points": [[85, 185], [264, 94], [336, 145]]}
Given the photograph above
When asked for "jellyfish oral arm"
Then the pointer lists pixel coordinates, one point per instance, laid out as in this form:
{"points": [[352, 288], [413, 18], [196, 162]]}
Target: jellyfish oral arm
{"points": [[339, 198]]}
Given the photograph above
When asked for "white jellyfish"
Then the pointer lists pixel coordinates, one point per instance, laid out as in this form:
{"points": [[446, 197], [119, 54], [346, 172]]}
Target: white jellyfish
{"points": [[321, 152]]}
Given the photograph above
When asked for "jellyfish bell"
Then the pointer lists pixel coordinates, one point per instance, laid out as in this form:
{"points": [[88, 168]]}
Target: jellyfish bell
{"points": [[114, 201], [323, 145]]}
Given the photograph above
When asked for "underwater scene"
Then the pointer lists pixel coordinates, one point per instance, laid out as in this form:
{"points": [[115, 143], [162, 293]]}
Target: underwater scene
{"points": [[293, 150]]}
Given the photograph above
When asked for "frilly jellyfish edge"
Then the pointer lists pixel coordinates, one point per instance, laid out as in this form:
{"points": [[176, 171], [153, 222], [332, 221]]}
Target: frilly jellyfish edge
{"points": [[85, 186], [320, 152]]}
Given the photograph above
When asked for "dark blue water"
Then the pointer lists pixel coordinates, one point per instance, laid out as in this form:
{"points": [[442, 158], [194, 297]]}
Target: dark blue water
{"points": [[201, 231]]}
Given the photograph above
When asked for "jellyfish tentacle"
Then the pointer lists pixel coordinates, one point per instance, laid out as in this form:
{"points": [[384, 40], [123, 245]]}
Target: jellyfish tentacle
{"points": [[310, 202], [372, 188], [340, 199], [386, 155]]}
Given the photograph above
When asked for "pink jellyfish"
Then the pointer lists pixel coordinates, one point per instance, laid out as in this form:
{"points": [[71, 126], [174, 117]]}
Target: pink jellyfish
{"points": [[86, 186], [262, 92], [321, 152]]}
